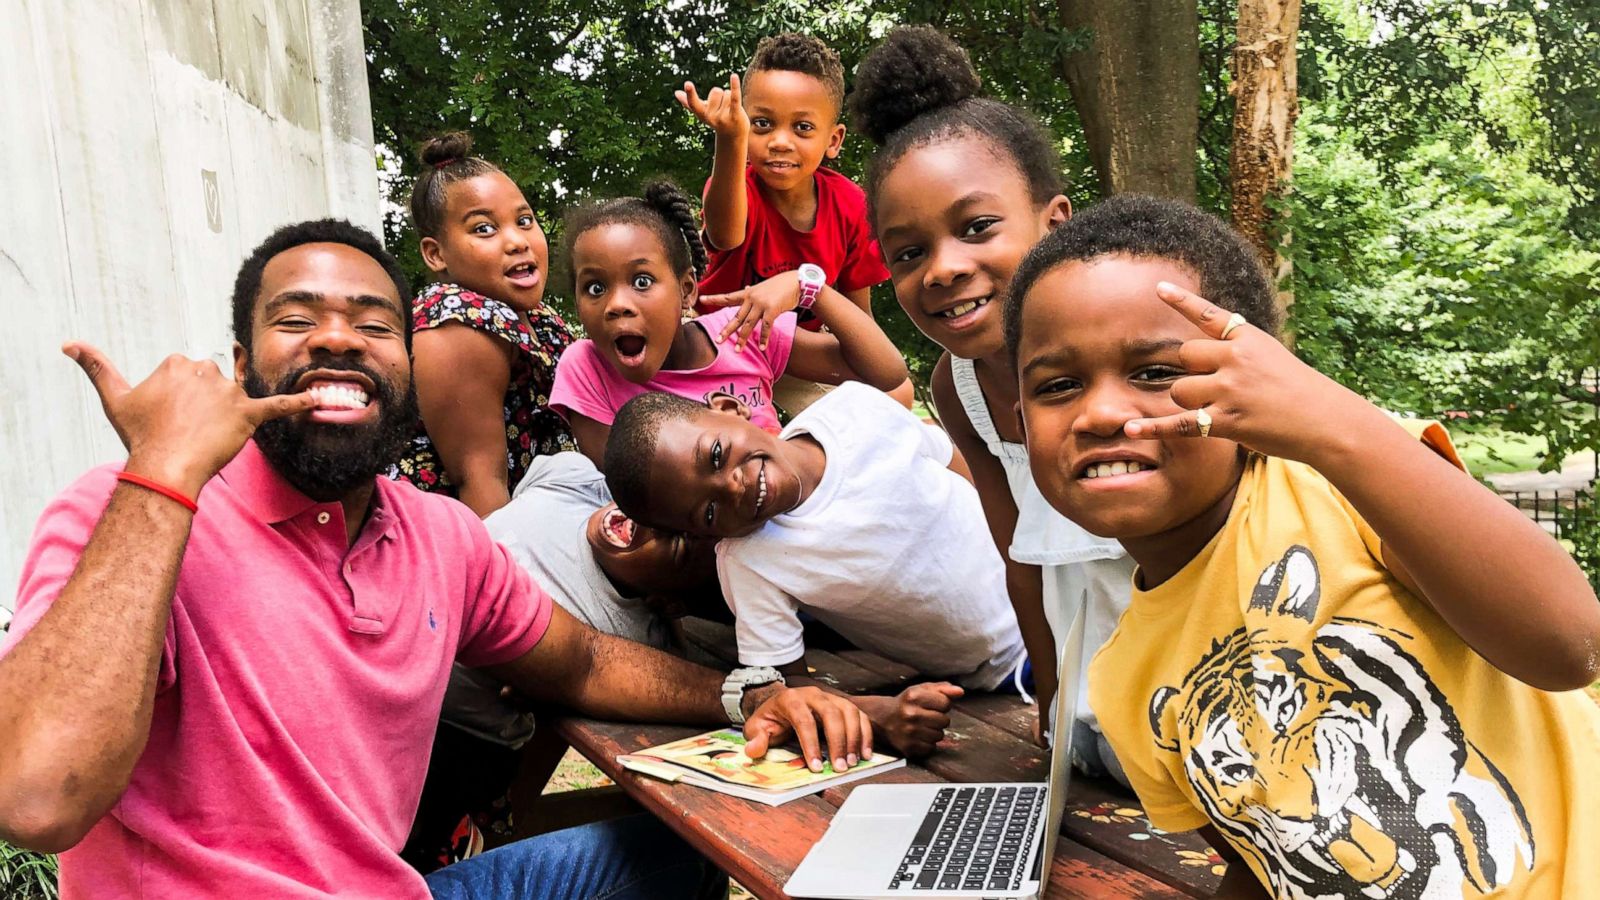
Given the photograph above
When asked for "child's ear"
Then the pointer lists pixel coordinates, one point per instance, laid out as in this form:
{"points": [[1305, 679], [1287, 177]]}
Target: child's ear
{"points": [[690, 289], [1022, 424], [1056, 212], [724, 402], [835, 142], [431, 257]]}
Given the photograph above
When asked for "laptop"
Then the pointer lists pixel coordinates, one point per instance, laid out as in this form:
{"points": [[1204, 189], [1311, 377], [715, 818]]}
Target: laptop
{"points": [[951, 840]]}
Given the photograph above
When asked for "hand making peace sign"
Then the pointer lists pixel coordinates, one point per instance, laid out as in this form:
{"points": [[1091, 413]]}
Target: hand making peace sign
{"points": [[1246, 386]]}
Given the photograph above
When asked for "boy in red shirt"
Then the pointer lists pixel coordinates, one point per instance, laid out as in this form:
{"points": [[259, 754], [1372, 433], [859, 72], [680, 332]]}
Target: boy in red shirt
{"points": [[770, 206]]}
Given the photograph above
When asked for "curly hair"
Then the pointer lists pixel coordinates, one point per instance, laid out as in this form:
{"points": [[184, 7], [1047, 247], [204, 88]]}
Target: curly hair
{"points": [[632, 445], [918, 87], [247, 284], [795, 52], [1229, 271], [445, 160], [664, 209]]}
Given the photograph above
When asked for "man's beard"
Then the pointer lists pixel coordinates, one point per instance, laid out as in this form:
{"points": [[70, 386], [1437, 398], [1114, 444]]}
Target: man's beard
{"points": [[326, 461]]}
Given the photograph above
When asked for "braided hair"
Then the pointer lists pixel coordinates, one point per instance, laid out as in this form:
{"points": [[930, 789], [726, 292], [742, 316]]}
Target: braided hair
{"points": [[445, 160], [918, 87], [664, 209]]}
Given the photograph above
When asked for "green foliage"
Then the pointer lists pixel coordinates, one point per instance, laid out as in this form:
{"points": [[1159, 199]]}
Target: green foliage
{"points": [[26, 875]]}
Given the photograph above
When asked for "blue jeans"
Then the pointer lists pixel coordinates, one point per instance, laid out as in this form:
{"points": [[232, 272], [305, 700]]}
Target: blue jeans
{"points": [[618, 859]]}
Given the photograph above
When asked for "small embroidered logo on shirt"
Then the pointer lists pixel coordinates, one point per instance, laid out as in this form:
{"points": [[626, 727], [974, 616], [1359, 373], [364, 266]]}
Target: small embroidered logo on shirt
{"points": [[432, 625]]}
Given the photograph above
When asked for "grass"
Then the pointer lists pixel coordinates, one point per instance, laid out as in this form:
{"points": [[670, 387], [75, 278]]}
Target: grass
{"points": [[1490, 451], [26, 875]]}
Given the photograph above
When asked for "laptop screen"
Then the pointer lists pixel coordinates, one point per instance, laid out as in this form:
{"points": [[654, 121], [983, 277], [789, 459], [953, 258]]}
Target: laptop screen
{"points": [[1062, 718]]}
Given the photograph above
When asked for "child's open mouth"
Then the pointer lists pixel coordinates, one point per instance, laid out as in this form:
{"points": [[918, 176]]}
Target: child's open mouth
{"points": [[1110, 472], [523, 275], [630, 349], [965, 313], [618, 529]]}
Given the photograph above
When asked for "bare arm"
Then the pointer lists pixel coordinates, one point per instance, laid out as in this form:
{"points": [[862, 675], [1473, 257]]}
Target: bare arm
{"points": [[591, 437], [461, 375], [77, 691], [1024, 583], [861, 297], [725, 200], [612, 678], [1506, 588], [853, 348], [912, 722]]}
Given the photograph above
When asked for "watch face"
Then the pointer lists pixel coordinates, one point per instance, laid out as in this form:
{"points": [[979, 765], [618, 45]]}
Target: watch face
{"points": [[811, 273]]}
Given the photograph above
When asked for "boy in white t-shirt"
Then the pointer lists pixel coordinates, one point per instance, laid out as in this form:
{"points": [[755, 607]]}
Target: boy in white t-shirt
{"points": [[851, 514]]}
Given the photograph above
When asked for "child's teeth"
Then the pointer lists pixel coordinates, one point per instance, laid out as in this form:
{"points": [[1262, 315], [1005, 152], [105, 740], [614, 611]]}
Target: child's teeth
{"points": [[1106, 470], [965, 308]]}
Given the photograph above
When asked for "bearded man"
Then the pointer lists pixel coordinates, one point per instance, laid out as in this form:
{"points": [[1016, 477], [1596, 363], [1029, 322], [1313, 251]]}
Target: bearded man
{"points": [[229, 651]]}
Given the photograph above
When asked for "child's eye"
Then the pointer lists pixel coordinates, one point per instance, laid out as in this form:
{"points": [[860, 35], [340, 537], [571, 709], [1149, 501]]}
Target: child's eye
{"points": [[642, 282], [594, 289], [906, 255], [525, 221], [1158, 374], [295, 323], [761, 122], [377, 328], [805, 127], [710, 516], [1056, 386], [483, 229], [716, 456], [980, 225]]}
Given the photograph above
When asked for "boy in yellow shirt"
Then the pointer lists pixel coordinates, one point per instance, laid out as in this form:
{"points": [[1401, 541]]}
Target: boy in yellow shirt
{"points": [[1343, 655]]}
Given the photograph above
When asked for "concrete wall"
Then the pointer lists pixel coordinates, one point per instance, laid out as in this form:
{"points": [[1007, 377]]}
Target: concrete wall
{"points": [[145, 147]]}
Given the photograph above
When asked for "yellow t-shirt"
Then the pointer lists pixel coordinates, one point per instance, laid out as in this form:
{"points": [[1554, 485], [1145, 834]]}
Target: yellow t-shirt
{"points": [[1286, 688]]}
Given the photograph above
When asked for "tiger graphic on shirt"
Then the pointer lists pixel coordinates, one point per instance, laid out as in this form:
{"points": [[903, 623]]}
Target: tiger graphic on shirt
{"points": [[1335, 761]]}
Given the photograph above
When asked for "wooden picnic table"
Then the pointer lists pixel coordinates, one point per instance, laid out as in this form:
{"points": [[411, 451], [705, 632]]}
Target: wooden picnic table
{"points": [[1107, 849]]}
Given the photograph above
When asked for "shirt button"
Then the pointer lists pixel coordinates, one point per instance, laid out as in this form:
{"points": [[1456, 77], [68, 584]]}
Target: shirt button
{"points": [[322, 518]]}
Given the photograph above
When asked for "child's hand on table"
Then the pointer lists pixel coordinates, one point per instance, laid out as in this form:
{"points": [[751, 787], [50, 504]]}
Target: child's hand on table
{"points": [[1251, 388], [798, 711], [914, 722], [759, 304], [721, 110]]}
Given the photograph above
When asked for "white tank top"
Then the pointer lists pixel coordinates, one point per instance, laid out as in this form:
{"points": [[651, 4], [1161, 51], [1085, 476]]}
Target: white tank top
{"points": [[1077, 567]]}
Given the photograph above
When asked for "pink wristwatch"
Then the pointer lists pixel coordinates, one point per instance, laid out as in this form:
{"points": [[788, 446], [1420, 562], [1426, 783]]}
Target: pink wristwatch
{"points": [[812, 281]]}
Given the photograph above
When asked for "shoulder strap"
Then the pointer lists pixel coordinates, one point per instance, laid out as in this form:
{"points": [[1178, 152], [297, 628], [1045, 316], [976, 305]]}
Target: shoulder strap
{"points": [[971, 394]]}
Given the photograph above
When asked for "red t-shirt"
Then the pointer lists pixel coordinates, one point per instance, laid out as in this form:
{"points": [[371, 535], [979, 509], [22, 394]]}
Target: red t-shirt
{"points": [[841, 242]]}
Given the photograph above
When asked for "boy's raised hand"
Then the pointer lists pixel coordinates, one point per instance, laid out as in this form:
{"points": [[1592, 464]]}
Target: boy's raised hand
{"points": [[1251, 387], [184, 422], [759, 305], [721, 110]]}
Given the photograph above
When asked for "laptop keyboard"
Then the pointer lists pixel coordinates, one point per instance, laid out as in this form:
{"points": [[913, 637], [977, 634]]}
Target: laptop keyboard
{"points": [[973, 839]]}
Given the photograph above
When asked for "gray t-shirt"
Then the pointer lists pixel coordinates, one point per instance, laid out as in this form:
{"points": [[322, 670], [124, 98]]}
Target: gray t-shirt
{"points": [[544, 528]]}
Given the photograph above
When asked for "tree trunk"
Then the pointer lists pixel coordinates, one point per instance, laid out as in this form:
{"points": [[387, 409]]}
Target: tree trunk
{"points": [[1136, 87], [1265, 107]]}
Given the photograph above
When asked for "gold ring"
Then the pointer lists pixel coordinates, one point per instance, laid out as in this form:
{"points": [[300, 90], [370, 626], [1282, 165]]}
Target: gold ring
{"points": [[1234, 321], [1203, 419]]}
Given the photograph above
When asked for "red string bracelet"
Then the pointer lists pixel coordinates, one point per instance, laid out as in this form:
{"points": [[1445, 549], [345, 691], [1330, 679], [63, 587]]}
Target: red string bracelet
{"points": [[158, 487]]}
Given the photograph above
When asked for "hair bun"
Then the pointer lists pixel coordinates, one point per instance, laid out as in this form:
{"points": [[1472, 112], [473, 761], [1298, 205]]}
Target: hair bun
{"points": [[445, 148], [916, 69]]}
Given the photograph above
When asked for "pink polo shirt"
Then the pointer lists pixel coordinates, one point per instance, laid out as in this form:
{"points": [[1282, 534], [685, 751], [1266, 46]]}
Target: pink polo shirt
{"points": [[299, 689]]}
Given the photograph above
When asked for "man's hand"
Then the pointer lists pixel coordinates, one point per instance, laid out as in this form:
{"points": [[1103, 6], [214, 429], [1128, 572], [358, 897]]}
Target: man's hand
{"points": [[783, 711], [183, 423], [914, 722], [721, 110]]}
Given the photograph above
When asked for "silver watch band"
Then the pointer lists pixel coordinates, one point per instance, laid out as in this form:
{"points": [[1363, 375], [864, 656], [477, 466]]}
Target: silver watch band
{"points": [[741, 680]]}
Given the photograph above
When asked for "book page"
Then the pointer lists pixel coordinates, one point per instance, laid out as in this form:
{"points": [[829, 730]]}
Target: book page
{"points": [[720, 755]]}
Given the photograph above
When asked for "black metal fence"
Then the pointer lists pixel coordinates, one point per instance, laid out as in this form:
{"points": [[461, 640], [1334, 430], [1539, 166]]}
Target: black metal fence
{"points": [[1562, 513]]}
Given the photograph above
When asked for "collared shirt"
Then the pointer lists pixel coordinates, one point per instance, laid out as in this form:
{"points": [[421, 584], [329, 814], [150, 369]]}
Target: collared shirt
{"points": [[299, 687]]}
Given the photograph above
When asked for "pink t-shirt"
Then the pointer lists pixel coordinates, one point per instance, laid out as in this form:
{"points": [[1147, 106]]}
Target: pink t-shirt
{"points": [[586, 384], [299, 686]]}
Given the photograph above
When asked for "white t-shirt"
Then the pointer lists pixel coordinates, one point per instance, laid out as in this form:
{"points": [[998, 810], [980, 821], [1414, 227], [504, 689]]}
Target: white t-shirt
{"points": [[891, 550]]}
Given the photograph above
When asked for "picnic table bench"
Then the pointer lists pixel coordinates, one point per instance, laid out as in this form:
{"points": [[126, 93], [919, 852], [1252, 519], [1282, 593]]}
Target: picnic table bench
{"points": [[1107, 849]]}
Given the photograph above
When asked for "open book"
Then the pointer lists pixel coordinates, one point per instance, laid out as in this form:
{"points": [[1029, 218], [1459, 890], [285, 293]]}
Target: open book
{"points": [[716, 761]]}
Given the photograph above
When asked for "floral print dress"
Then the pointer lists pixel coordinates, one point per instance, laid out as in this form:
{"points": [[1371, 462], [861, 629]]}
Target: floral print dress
{"points": [[532, 427]]}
